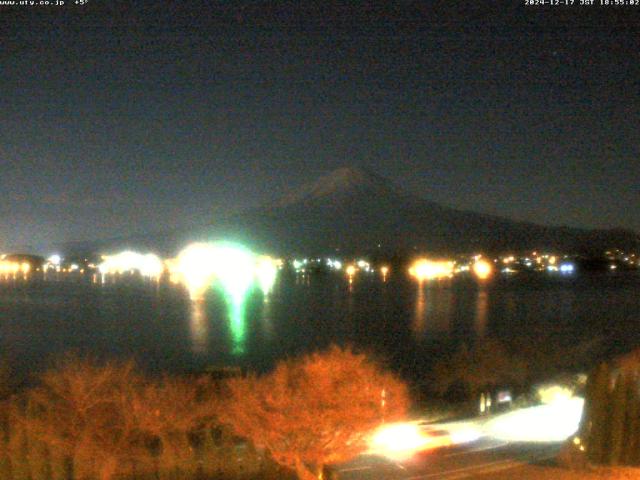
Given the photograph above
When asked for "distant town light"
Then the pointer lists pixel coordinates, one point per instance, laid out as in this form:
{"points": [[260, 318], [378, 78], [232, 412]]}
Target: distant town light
{"points": [[424, 269], [148, 265], [482, 269]]}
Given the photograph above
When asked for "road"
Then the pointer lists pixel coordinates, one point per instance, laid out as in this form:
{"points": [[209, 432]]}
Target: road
{"points": [[475, 460], [482, 445]]}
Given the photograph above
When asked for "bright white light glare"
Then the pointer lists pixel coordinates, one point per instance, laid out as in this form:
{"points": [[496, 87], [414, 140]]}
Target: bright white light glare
{"points": [[266, 271], [545, 423], [398, 440], [463, 433], [199, 265], [403, 440], [148, 265], [195, 268], [54, 260], [234, 267]]}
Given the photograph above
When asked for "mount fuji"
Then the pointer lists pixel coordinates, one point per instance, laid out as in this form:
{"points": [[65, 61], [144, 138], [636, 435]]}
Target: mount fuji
{"points": [[351, 210]]}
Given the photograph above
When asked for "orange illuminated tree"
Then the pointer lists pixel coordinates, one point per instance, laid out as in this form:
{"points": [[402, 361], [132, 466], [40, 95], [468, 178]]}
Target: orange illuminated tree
{"points": [[81, 409], [315, 410]]}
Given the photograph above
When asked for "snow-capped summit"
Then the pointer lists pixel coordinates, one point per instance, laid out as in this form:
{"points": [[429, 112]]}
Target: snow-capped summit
{"points": [[345, 181]]}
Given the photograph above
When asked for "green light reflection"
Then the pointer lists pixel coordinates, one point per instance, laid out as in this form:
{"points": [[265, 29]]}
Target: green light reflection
{"points": [[237, 324], [235, 275]]}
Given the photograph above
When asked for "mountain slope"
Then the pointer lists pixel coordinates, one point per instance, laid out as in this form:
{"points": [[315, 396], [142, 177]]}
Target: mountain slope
{"points": [[351, 210], [354, 211]]}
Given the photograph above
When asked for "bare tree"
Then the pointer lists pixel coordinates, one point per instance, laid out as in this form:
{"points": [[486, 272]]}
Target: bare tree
{"points": [[170, 411], [315, 410], [79, 408]]}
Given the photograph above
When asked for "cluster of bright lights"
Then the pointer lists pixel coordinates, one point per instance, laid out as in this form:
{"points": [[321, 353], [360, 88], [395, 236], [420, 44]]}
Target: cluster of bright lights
{"points": [[148, 265], [200, 265], [8, 267], [300, 265], [424, 269], [305, 265], [334, 264], [364, 266], [54, 262], [567, 268]]}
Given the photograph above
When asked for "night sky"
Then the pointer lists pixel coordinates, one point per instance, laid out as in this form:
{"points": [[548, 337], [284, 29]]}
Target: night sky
{"points": [[131, 117]]}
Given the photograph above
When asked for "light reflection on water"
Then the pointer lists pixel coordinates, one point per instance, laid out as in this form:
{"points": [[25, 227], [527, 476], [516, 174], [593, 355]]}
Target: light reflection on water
{"points": [[397, 319], [482, 310], [432, 313], [237, 325], [199, 327], [266, 321], [419, 321], [235, 316]]}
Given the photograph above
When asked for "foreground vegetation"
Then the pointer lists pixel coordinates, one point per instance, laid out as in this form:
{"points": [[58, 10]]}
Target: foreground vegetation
{"points": [[87, 420]]}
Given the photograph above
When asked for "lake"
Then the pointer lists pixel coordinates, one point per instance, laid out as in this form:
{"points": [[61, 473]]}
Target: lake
{"points": [[407, 325]]}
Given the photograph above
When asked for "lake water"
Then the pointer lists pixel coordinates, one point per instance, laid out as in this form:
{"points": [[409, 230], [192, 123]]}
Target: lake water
{"points": [[406, 325]]}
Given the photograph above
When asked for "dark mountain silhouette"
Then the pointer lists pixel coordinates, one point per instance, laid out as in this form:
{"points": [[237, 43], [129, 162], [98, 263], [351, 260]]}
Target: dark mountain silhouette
{"points": [[351, 210]]}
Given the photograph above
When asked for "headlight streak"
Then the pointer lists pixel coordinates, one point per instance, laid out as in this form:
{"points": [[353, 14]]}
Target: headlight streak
{"points": [[554, 422]]}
